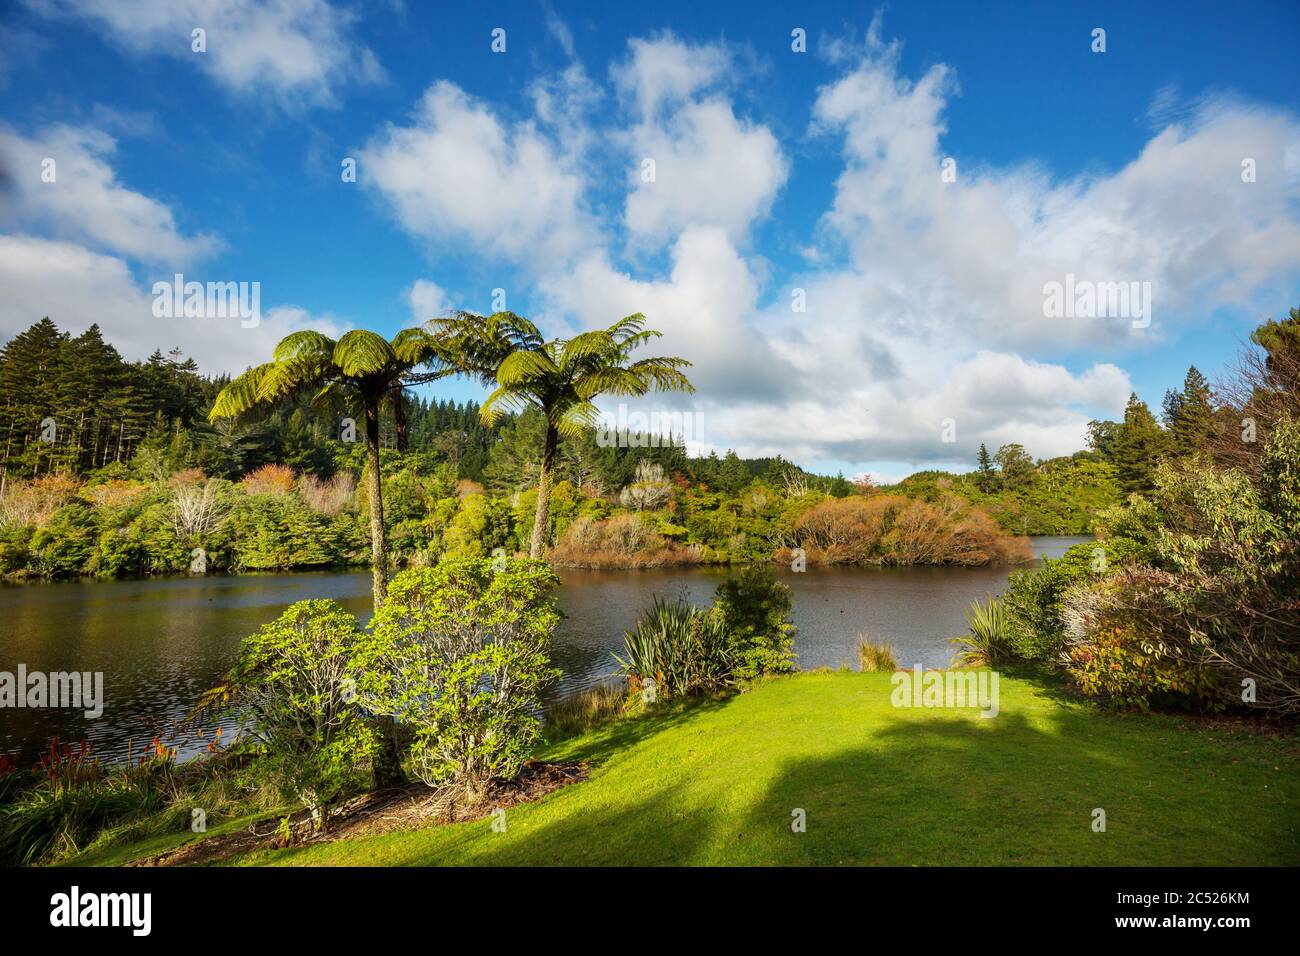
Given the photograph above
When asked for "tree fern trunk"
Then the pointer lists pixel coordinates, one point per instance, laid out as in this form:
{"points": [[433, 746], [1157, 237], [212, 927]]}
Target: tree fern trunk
{"points": [[537, 547], [386, 765], [374, 492]]}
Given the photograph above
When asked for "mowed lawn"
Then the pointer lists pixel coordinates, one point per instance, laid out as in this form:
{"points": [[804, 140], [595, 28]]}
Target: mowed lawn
{"points": [[717, 782]]}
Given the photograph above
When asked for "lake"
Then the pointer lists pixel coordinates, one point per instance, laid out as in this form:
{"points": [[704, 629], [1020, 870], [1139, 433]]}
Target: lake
{"points": [[161, 642]]}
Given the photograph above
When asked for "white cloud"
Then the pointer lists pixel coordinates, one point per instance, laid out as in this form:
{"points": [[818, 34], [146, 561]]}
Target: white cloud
{"points": [[662, 71], [924, 299], [299, 51], [710, 168], [457, 173], [976, 253], [428, 300], [700, 308], [76, 287], [85, 201]]}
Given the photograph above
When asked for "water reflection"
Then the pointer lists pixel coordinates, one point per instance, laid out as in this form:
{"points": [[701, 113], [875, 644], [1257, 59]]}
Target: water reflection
{"points": [[162, 642]]}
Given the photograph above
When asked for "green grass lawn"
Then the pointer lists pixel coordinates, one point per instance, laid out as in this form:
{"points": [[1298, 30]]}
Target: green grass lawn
{"points": [[715, 783]]}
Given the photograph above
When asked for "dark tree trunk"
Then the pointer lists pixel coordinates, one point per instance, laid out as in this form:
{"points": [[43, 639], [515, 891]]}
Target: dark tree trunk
{"points": [[387, 762], [537, 547], [374, 492]]}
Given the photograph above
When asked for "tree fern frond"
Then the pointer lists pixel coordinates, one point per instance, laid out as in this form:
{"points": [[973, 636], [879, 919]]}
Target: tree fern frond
{"points": [[240, 396], [362, 352], [519, 368], [305, 344]]}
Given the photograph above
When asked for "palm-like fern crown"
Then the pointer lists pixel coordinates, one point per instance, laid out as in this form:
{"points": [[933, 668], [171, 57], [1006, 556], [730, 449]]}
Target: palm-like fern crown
{"points": [[361, 364], [561, 377]]}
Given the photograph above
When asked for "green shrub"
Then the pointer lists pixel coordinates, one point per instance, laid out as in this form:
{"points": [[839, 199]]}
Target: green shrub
{"points": [[755, 610], [986, 644], [297, 680], [459, 653], [678, 649], [1034, 630]]}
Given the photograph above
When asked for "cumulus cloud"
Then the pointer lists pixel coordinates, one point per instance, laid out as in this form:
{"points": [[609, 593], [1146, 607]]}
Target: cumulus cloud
{"points": [[298, 51], [922, 300], [428, 300], [976, 253], [700, 307], [710, 167], [458, 173], [84, 200]]}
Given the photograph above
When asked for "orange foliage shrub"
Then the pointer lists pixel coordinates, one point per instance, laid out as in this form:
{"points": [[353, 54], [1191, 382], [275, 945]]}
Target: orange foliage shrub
{"points": [[327, 497], [893, 530], [466, 487], [115, 493], [270, 480], [623, 541], [186, 477], [31, 503]]}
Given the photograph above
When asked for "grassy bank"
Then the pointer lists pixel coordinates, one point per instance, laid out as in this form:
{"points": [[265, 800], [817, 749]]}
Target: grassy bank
{"points": [[715, 783]]}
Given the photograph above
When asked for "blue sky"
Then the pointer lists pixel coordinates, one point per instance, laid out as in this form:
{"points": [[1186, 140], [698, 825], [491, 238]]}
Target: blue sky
{"points": [[776, 171]]}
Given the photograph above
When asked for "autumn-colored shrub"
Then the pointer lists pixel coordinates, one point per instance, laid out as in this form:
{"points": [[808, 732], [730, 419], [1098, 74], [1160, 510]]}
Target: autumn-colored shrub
{"points": [[893, 530], [186, 477], [30, 503], [466, 487], [328, 497], [270, 480], [623, 541], [115, 493]]}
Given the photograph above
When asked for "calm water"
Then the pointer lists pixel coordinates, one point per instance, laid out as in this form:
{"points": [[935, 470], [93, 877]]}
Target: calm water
{"points": [[162, 642]]}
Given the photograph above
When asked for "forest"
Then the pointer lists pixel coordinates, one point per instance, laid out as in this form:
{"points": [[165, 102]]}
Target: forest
{"points": [[112, 468]]}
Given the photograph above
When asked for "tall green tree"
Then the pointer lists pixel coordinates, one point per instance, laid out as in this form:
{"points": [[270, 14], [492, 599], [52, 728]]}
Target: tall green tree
{"points": [[561, 377], [1189, 414], [985, 478], [1015, 464], [1140, 444]]}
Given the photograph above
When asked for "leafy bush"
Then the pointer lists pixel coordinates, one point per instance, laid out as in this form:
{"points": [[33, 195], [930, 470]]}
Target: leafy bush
{"points": [[1034, 629], [297, 680], [623, 541], [893, 530], [459, 653], [1214, 607], [755, 610], [1121, 667]]}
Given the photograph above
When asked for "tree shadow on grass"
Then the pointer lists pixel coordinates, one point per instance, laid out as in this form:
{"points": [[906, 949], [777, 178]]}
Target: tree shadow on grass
{"points": [[613, 736], [1006, 791], [925, 787]]}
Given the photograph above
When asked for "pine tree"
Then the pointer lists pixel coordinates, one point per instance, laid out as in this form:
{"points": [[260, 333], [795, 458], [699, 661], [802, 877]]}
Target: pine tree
{"points": [[1189, 415], [1140, 444], [985, 478]]}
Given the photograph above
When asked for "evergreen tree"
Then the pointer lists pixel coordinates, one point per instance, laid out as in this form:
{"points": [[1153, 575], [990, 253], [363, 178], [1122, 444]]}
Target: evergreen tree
{"points": [[1140, 443], [1189, 415]]}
